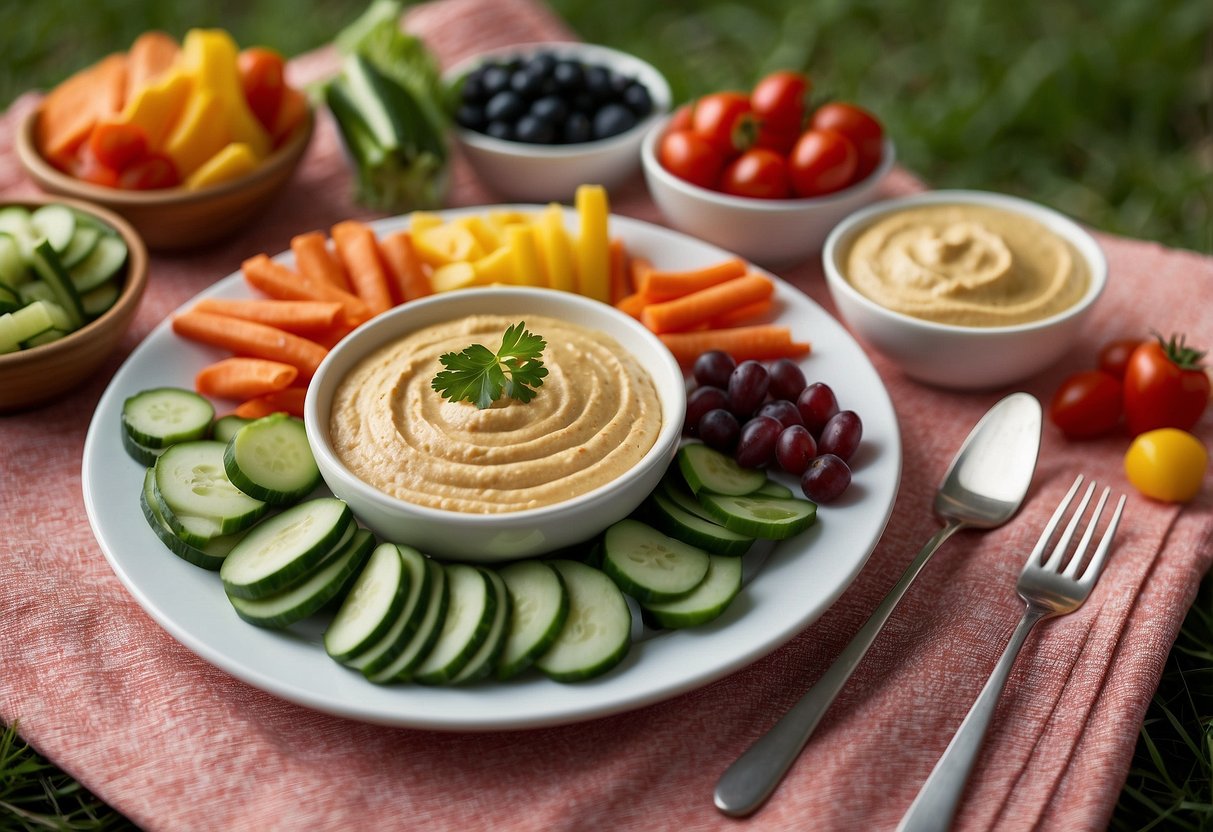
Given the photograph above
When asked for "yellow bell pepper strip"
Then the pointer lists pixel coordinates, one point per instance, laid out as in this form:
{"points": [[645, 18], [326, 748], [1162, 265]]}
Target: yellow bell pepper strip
{"points": [[485, 235], [528, 270], [593, 243], [555, 249], [199, 134], [233, 161], [423, 221], [210, 55], [150, 57], [446, 243], [452, 276], [158, 105], [497, 267]]}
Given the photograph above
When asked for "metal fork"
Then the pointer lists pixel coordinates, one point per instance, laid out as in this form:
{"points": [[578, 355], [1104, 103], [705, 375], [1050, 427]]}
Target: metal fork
{"points": [[1048, 591]]}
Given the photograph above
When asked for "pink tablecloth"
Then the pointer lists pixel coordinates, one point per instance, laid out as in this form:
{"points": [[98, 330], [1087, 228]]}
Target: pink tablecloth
{"points": [[178, 745]]}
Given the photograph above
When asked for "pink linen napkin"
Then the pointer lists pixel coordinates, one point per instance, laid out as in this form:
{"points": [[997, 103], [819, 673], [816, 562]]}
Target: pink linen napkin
{"points": [[177, 744]]}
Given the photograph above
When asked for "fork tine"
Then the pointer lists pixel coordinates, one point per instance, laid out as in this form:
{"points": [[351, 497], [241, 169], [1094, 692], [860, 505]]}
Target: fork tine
{"points": [[1047, 534], [1101, 553], [1053, 564], [1081, 550]]}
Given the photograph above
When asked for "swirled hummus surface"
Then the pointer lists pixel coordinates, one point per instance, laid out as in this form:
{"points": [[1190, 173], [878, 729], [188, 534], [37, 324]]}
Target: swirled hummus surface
{"points": [[595, 416], [968, 265]]}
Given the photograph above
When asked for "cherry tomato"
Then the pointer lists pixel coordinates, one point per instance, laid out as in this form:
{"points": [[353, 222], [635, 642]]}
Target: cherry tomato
{"points": [[262, 74], [822, 161], [1087, 404], [858, 125], [778, 100], [1114, 357], [86, 168], [780, 140], [720, 118], [1166, 464], [758, 173], [681, 119], [1165, 386], [689, 156], [116, 144], [151, 172]]}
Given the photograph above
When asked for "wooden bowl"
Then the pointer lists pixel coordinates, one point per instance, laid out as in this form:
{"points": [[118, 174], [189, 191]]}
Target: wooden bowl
{"points": [[174, 218], [37, 375]]}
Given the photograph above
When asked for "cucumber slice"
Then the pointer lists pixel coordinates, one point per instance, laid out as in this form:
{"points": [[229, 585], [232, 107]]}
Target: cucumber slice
{"points": [[423, 639], [15, 222], [11, 298], [14, 267], [196, 531], [485, 659], [25, 323], [295, 604], [224, 429], [33, 290], [393, 642], [47, 266], [191, 481], [141, 454], [678, 522], [82, 245], [50, 336], [706, 602], [97, 301], [539, 607], [649, 565], [372, 606], [771, 518], [209, 556], [270, 459], [56, 223], [469, 617], [277, 553], [598, 632], [775, 489], [165, 416], [708, 470], [105, 261]]}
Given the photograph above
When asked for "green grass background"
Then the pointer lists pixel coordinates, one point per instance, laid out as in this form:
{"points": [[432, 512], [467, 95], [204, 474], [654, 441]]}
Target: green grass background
{"points": [[1101, 108]]}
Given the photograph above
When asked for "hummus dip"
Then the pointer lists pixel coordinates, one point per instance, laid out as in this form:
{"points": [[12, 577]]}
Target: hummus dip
{"points": [[595, 416], [967, 265]]}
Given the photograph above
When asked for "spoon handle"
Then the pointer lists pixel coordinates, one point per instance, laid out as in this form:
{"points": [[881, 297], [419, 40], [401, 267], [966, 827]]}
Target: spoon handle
{"points": [[749, 781]]}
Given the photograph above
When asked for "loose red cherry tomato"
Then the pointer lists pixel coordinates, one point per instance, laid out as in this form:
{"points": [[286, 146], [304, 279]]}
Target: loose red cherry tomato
{"points": [[758, 173], [1087, 404], [262, 76], [1114, 357], [116, 144], [86, 168], [720, 119], [1165, 386], [689, 156], [858, 125], [822, 161], [681, 119], [778, 100], [151, 172]]}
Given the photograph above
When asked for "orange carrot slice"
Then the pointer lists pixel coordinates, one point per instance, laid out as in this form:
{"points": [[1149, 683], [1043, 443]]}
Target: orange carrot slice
{"points": [[632, 304], [688, 311], [251, 339], [741, 315], [313, 258], [243, 378], [619, 277], [659, 285], [359, 252], [301, 317], [150, 55], [289, 401], [279, 282], [70, 110], [760, 342], [409, 280]]}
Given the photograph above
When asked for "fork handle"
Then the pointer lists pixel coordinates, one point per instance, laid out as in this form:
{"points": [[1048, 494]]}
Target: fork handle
{"points": [[935, 805]]}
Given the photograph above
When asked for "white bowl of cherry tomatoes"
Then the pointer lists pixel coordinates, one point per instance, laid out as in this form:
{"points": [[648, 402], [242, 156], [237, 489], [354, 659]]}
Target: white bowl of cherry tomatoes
{"points": [[761, 173]]}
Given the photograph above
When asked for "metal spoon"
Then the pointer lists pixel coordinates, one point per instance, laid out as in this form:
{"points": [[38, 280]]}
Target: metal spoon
{"points": [[983, 488]]}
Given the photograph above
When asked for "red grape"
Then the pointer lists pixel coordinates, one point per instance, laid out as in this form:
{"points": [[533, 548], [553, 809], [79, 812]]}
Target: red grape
{"points": [[713, 367], [795, 449], [825, 479], [719, 429], [701, 400], [841, 435], [787, 379], [756, 447], [747, 388], [817, 406], [784, 411]]}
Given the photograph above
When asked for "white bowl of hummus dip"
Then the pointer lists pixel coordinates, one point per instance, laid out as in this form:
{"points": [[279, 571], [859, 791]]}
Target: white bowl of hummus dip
{"points": [[514, 478], [964, 289]]}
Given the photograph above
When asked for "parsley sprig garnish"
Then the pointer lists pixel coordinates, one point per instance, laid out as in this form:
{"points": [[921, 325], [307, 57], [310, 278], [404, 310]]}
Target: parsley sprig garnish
{"points": [[479, 375]]}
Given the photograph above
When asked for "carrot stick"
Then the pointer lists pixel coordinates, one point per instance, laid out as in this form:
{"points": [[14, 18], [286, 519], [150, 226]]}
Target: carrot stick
{"points": [[741, 314], [313, 258], [329, 338], [151, 54], [760, 342], [699, 307], [661, 285], [298, 316], [243, 378], [69, 111], [251, 339], [619, 280], [359, 252], [632, 304], [289, 401], [638, 269], [279, 282], [409, 280]]}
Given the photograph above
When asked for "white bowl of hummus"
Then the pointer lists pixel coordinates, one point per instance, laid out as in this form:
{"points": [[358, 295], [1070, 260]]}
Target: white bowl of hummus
{"points": [[964, 289], [513, 479]]}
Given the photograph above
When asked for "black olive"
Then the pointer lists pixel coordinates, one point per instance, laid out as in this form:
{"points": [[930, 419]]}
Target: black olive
{"points": [[472, 90], [577, 128], [534, 130], [494, 80], [583, 102], [500, 130], [551, 108], [526, 83], [636, 96], [471, 116], [612, 120], [542, 64], [598, 82], [505, 106], [568, 76], [617, 83]]}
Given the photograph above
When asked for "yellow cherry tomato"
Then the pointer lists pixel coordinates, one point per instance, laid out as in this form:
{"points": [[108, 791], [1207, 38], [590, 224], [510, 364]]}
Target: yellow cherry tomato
{"points": [[1166, 464]]}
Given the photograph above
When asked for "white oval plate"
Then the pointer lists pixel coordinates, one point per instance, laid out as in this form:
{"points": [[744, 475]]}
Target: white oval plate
{"points": [[799, 579]]}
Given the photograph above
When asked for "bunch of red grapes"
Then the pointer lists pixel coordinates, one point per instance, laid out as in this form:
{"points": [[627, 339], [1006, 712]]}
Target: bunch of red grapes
{"points": [[769, 414]]}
